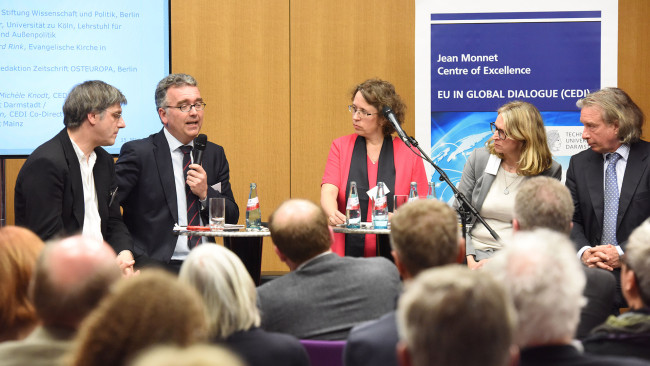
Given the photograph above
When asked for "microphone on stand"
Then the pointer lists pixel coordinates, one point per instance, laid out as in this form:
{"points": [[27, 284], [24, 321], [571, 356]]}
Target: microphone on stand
{"points": [[390, 116], [199, 145]]}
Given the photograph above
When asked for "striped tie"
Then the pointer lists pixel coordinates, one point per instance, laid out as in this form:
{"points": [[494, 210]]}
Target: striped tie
{"points": [[191, 199]]}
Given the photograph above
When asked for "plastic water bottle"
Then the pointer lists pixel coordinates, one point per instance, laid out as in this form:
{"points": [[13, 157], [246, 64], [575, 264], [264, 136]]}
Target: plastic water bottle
{"points": [[353, 209], [431, 195], [380, 211], [413, 192], [253, 212]]}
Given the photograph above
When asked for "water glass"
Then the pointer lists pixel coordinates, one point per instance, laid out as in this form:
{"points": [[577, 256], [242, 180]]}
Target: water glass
{"points": [[217, 214]]}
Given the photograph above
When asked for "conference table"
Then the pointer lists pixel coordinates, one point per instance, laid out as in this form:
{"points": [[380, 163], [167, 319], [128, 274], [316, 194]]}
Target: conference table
{"points": [[247, 245]]}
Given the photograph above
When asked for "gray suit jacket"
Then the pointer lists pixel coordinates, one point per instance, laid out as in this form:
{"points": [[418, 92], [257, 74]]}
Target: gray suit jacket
{"points": [[475, 183], [329, 295], [43, 347]]}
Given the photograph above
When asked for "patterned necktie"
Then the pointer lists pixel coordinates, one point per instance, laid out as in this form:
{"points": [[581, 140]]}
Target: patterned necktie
{"points": [[191, 199], [611, 201]]}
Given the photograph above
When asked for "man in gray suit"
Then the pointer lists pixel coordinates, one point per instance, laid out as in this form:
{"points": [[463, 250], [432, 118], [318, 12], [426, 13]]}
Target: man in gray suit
{"points": [[71, 277], [424, 234], [324, 295]]}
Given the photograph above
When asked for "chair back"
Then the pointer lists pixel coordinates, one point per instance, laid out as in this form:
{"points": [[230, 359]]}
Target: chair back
{"points": [[324, 353]]}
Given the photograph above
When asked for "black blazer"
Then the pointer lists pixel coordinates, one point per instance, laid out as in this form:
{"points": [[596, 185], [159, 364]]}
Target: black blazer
{"points": [[585, 181], [148, 195], [49, 193]]}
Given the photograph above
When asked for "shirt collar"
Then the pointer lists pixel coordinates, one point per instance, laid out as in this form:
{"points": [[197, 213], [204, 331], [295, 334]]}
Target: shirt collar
{"points": [[173, 142], [623, 150], [80, 154]]}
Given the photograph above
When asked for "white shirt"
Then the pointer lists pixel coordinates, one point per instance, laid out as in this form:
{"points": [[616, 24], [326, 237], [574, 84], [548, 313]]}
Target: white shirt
{"points": [[92, 226], [181, 250]]}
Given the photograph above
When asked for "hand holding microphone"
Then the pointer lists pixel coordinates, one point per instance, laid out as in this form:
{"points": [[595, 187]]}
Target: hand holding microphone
{"points": [[196, 176]]}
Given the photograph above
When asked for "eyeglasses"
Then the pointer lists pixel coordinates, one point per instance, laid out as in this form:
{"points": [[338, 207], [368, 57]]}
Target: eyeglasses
{"points": [[502, 134], [362, 113], [187, 107]]}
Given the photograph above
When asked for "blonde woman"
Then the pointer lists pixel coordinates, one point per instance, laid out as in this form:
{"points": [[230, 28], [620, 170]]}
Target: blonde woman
{"points": [[230, 298], [492, 176]]}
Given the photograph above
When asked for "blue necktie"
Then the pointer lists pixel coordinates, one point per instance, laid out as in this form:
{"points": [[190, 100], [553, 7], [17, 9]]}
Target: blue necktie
{"points": [[191, 199], [611, 201]]}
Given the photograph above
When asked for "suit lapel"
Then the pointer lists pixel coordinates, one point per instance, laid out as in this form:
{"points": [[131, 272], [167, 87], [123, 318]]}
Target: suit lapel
{"points": [[102, 181], [166, 172], [634, 170], [594, 171], [74, 172]]}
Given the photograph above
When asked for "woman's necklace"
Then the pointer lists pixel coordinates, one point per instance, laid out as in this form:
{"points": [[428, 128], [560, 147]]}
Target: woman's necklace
{"points": [[506, 191]]}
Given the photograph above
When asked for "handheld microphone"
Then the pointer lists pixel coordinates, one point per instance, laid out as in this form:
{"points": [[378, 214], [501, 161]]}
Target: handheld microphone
{"points": [[388, 113], [199, 145]]}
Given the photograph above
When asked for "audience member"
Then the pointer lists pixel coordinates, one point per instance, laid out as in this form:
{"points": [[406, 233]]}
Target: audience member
{"points": [[158, 189], [543, 202], [546, 289], [19, 249], [67, 185], [629, 334], [453, 316], [231, 302], [197, 355], [70, 279], [424, 234], [609, 182], [324, 295], [153, 308]]}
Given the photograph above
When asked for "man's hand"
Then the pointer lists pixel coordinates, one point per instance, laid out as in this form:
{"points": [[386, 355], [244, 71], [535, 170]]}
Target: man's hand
{"points": [[197, 180], [602, 256], [125, 261]]}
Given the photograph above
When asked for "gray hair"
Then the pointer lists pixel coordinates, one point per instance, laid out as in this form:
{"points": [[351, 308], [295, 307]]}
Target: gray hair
{"points": [[637, 258], [617, 106], [88, 97], [545, 280], [445, 308], [424, 233], [172, 80], [226, 287], [544, 202]]}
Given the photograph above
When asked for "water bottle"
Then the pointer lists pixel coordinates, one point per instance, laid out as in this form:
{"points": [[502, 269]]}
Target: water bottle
{"points": [[431, 195], [413, 192], [380, 211], [353, 209], [253, 212]]}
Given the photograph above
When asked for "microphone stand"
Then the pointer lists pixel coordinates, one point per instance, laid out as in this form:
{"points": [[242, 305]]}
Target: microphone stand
{"points": [[465, 209]]}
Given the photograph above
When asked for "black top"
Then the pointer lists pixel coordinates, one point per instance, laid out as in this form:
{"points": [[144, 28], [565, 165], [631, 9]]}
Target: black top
{"points": [[258, 348]]}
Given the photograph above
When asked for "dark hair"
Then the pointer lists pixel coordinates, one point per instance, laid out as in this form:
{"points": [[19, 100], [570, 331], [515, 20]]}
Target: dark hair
{"points": [[380, 93], [172, 80], [88, 97]]}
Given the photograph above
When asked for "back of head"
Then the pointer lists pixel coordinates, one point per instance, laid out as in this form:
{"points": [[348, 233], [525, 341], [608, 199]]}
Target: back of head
{"points": [[544, 202], [19, 249], [197, 355], [87, 97], [446, 309], [637, 258], [170, 81], [71, 277], [299, 230], [617, 106], [424, 233], [150, 309], [226, 287], [542, 274], [380, 93]]}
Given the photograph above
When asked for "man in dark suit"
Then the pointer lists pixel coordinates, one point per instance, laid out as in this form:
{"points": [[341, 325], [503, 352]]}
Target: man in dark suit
{"points": [[424, 234], [324, 295], [610, 182], [154, 190], [67, 185], [70, 279]]}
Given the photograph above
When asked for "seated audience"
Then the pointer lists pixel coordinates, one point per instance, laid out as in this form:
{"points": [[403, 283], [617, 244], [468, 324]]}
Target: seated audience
{"points": [[452, 316], [70, 279], [424, 234], [19, 249], [231, 302], [543, 202], [546, 289], [197, 355], [324, 295], [629, 333], [150, 309]]}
